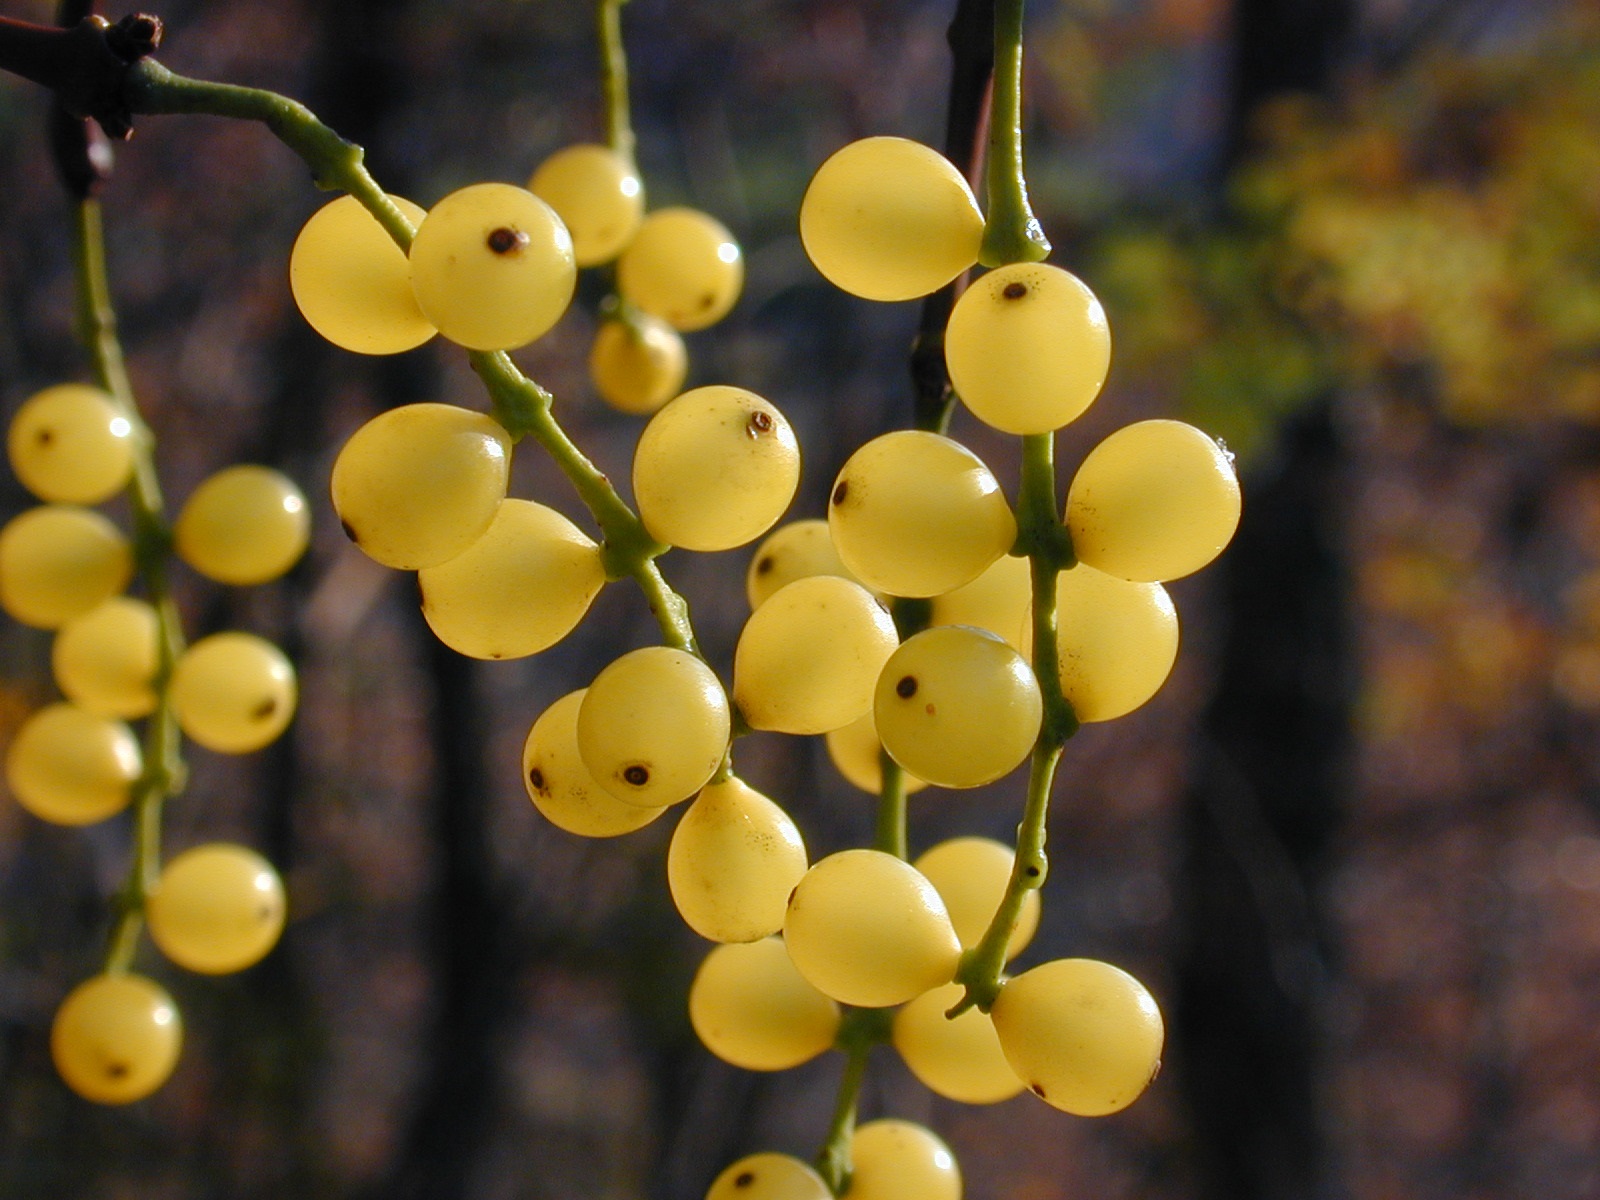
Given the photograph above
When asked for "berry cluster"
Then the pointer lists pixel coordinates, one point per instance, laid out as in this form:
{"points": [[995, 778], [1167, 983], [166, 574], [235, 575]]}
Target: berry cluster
{"points": [[64, 566]]}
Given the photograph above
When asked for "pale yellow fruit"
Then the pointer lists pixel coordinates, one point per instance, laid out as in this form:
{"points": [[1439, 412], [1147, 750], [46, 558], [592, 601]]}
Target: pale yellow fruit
{"points": [[561, 787], [1117, 640], [734, 859], [751, 1008], [958, 1058], [116, 1038]]}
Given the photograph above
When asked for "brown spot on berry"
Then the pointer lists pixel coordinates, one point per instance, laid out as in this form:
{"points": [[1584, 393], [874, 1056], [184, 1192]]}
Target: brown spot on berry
{"points": [[349, 532], [744, 1179], [764, 565], [840, 492], [1038, 1090], [1015, 291], [117, 1070], [708, 302], [637, 775], [906, 688], [505, 240], [536, 779], [758, 424], [930, 710], [1032, 872], [264, 710], [45, 436]]}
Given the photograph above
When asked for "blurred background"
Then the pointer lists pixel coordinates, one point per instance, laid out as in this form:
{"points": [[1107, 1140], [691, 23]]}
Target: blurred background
{"points": [[1353, 847]]}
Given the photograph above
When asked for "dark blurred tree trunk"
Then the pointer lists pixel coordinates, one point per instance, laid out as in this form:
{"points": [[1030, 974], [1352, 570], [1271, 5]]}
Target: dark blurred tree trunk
{"points": [[1269, 782]]}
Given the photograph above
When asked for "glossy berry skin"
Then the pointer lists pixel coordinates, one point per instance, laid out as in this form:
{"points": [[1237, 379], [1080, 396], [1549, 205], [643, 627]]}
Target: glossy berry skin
{"points": [[1117, 641], [1028, 348], [58, 561], [900, 1160], [971, 875], [562, 788], [1084, 1035], [71, 444], [418, 484], [352, 282], [217, 909], [917, 514], [492, 267], [867, 929], [519, 589], [751, 1008], [682, 266], [654, 726], [769, 1177], [733, 861], [105, 660], [598, 196], [70, 767], [245, 525], [957, 706], [808, 659], [715, 469], [1155, 501], [116, 1038], [889, 219], [796, 550], [233, 692], [959, 1058], [638, 364]]}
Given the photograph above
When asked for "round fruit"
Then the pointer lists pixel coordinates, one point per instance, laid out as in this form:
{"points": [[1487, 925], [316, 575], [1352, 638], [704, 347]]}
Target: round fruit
{"points": [[769, 1177], [654, 726], [70, 767], [245, 525], [916, 514], [734, 859], [519, 589], [794, 551], [1000, 600], [637, 364], [352, 283], [492, 266], [959, 1058], [897, 1160], [597, 194], [1157, 500], [417, 485], [233, 692], [808, 659], [971, 875], [217, 909], [1085, 1036], [71, 444], [957, 706], [751, 1008], [1117, 641], [855, 750], [561, 787], [105, 661], [116, 1038], [890, 219], [866, 928], [58, 561], [715, 469], [683, 267], [1028, 348]]}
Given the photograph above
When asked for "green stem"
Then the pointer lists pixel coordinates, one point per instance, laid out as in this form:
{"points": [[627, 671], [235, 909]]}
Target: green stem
{"points": [[891, 836], [614, 79], [336, 164], [521, 405], [1041, 536], [1012, 233], [859, 1031], [164, 769]]}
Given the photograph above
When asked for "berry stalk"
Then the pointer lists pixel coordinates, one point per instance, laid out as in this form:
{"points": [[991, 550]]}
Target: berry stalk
{"points": [[614, 79], [164, 769], [1012, 233]]}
